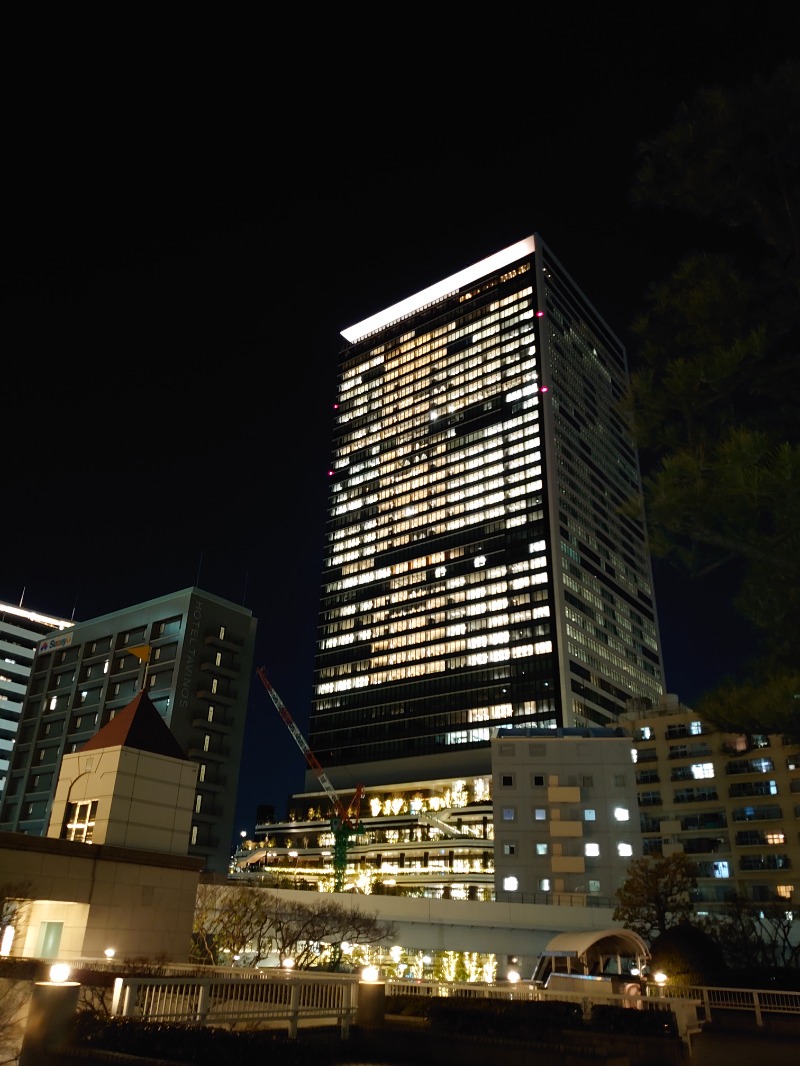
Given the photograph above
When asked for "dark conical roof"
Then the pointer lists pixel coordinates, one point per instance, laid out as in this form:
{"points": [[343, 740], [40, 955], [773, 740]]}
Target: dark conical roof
{"points": [[139, 726]]}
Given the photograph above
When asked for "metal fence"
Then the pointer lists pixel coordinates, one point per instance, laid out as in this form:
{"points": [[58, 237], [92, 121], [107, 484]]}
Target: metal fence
{"points": [[258, 998], [275, 997]]}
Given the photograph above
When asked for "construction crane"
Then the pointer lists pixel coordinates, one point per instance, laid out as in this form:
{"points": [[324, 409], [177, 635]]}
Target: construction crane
{"points": [[345, 823]]}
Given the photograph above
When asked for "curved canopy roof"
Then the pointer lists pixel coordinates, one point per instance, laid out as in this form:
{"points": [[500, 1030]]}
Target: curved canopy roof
{"points": [[603, 942]]}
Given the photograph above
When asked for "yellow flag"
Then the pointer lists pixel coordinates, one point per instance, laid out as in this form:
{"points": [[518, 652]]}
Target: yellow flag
{"points": [[142, 652]]}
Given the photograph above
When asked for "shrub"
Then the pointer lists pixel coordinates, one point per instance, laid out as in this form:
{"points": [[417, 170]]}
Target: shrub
{"points": [[507, 1018], [607, 1018]]}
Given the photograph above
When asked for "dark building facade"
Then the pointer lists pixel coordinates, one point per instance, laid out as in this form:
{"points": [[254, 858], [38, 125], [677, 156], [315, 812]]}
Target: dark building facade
{"points": [[192, 653]]}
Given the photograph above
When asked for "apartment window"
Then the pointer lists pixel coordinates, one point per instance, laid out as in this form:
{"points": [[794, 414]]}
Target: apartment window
{"points": [[621, 814], [194, 834], [619, 780], [592, 850], [202, 774], [625, 850], [79, 821], [156, 654], [750, 836], [509, 814], [206, 742], [544, 884], [222, 632], [587, 782], [211, 713], [702, 769], [540, 814], [594, 886], [198, 803], [537, 780], [509, 849], [218, 659], [541, 849], [590, 815], [510, 884], [153, 680], [784, 891], [776, 838], [214, 685], [507, 780]]}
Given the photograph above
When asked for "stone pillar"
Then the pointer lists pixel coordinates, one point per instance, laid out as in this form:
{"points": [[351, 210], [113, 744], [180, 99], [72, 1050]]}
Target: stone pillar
{"points": [[371, 1011], [52, 1008]]}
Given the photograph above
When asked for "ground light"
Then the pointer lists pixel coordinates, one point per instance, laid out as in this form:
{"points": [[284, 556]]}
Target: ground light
{"points": [[52, 1007], [371, 998]]}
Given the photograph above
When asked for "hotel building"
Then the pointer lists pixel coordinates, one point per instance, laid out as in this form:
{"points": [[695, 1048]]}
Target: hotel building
{"points": [[192, 653]]}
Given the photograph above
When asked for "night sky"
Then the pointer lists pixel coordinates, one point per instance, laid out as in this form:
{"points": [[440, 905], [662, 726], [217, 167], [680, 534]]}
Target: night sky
{"points": [[192, 215]]}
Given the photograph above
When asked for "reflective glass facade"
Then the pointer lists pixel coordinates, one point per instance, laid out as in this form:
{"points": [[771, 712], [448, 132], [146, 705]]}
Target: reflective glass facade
{"points": [[478, 568]]}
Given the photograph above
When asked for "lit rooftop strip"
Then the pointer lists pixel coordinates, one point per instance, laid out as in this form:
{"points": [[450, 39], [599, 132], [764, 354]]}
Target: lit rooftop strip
{"points": [[32, 616], [440, 289]]}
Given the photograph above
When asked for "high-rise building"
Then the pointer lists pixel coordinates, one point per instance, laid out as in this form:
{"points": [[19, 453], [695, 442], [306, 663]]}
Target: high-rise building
{"points": [[21, 631], [192, 653], [483, 565]]}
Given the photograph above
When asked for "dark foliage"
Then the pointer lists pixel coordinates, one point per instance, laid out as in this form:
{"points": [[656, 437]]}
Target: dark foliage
{"points": [[511, 1019], [650, 1023], [200, 1045]]}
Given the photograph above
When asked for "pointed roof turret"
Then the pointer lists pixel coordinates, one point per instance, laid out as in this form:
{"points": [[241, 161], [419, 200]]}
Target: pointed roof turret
{"points": [[139, 726]]}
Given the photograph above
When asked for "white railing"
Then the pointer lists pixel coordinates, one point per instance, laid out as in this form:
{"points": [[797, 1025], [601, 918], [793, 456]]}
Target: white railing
{"points": [[257, 998], [758, 1001], [755, 1001], [684, 1009], [273, 997]]}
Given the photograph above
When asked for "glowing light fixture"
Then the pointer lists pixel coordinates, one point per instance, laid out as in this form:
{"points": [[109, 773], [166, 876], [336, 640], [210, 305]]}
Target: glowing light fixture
{"points": [[369, 973], [59, 972]]}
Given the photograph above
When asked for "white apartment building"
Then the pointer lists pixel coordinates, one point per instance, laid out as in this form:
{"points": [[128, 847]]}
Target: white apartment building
{"points": [[566, 815], [21, 632], [730, 801]]}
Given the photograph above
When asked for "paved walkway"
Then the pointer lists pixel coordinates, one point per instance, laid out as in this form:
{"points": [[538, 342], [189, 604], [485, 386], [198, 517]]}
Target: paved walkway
{"points": [[712, 1048]]}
